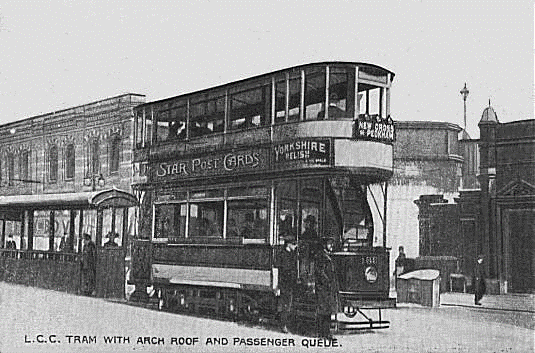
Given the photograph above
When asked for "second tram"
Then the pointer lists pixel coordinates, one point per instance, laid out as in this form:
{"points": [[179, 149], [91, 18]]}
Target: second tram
{"points": [[225, 174]]}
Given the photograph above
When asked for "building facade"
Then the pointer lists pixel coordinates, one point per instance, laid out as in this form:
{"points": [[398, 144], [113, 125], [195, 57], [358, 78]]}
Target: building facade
{"points": [[427, 160], [66, 173], [496, 220]]}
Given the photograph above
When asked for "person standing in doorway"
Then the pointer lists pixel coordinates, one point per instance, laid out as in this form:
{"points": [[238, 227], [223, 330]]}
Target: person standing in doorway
{"points": [[326, 289], [479, 280], [89, 266], [288, 279]]}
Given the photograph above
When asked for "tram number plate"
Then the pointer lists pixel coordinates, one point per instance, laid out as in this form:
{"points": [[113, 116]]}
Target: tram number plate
{"points": [[369, 260]]}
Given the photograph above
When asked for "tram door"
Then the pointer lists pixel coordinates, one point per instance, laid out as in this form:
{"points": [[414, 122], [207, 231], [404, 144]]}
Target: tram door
{"points": [[311, 197], [111, 248]]}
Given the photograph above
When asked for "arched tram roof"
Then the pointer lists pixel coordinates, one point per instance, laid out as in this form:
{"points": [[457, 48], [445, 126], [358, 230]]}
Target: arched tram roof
{"points": [[252, 78]]}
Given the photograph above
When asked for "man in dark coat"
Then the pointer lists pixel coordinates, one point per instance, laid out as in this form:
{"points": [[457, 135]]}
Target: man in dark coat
{"points": [[326, 288], [479, 280], [11, 243], [89, 266], [287, 281], [400, 264]]}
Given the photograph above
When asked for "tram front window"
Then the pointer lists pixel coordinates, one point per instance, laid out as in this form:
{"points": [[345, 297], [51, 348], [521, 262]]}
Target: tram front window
{"points": [[357, 220], [338, 94]]}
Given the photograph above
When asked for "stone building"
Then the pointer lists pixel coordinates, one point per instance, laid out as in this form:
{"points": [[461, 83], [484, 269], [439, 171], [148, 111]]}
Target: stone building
{"points": [[496, 220], [427, 160]]}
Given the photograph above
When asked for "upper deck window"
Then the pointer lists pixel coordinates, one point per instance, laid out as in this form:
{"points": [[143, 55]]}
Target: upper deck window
{"points": [[371, 101], [294, 99], [314, 94], [171, 121], [280, 101], [341, 89], [207, 117], [250, 108]]}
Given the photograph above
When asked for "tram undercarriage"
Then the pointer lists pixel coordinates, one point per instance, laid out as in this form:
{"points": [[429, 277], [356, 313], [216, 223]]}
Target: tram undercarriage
{"points": [[257, 306]]}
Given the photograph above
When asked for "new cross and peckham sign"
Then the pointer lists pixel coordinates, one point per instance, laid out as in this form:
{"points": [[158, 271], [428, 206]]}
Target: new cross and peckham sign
{"points": [[375, 128]]}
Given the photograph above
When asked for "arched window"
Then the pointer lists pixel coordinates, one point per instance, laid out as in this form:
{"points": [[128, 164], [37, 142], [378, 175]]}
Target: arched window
{"points": [[23, 164], [95, 158], [114, 155], [53, 163], [69, 161], [11, 168]]}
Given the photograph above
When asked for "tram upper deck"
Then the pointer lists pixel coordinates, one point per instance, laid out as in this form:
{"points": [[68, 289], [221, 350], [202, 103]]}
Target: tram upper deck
{"points": [[334, 114]]}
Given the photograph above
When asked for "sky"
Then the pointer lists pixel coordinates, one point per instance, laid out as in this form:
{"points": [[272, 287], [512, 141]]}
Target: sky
{"points": [[59, 54]]}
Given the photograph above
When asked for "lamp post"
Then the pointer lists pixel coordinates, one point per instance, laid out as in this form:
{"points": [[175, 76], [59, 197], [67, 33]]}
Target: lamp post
{"points": [[464, 92], [94, 180]]}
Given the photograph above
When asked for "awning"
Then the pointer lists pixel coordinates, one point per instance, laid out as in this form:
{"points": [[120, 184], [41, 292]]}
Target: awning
{"points": [[105, 198]]}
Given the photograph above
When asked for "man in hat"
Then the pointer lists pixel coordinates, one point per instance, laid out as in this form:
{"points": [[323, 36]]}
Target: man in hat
{"points": [[326, 288], [10, 244], [479, 280], [111, 240], [89, 266], [287, 281]]}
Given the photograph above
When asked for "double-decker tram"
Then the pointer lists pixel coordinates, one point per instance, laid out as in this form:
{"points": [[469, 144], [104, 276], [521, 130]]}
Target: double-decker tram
{"points": [[226, 174]]}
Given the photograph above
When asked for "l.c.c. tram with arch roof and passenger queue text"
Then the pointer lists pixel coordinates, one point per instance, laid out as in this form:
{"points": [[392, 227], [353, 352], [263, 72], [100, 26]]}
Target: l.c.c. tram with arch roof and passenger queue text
{"points": [[225, 174]]}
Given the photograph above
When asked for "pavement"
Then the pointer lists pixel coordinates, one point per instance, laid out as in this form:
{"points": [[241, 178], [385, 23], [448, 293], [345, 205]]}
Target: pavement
{"points": [[39, 320], [504, 302]]}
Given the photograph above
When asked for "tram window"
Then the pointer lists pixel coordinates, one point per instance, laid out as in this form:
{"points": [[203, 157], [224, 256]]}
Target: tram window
{"points": [[375, 102], [357, 222], [162, 125], [172, 123], [250, 108], [370, 102], [294, 99], [248, 218], [314, 95], [286, 196], [248, 191], [332, 222], [206, 219], [338, 93], [207, 117], [170, 221], [206, 194], [280, 102], [311, 200]]}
